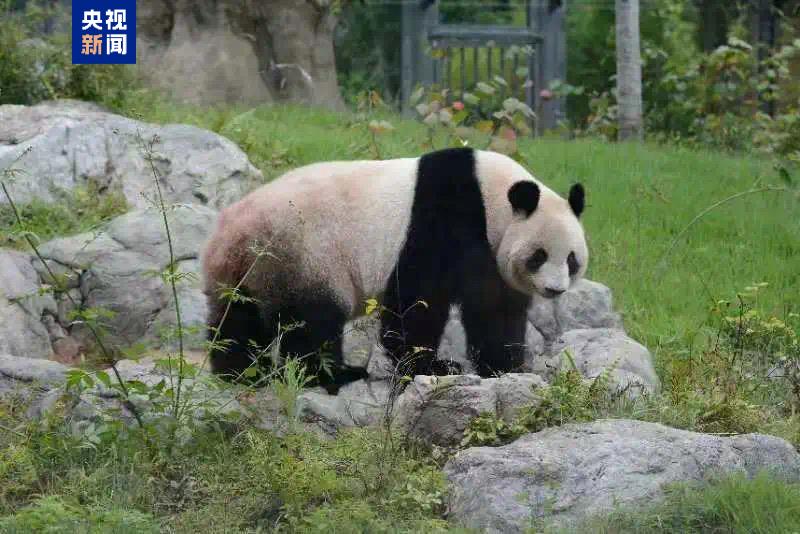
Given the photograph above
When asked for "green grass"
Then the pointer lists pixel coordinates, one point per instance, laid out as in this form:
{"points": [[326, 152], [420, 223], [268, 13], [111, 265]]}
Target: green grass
{"points": [[734, 505], [81, 210]]}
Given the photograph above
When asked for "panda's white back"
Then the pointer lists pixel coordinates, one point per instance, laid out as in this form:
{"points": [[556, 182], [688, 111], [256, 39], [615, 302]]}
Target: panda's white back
{"points": [[346, 216]]}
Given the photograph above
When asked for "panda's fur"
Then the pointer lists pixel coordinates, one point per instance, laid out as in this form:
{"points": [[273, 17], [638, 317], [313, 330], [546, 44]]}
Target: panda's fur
{"points": [[420, 234]]}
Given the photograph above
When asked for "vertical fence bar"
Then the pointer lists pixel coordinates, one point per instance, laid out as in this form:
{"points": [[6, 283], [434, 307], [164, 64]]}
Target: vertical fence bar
{"points": [[503, 73], [462, 70], [514, 84], [489, 52], [475, 70], [447, 74]]}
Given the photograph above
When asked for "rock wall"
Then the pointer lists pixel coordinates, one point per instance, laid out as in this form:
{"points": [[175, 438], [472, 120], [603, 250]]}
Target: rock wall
{"points": [[240, 50]]}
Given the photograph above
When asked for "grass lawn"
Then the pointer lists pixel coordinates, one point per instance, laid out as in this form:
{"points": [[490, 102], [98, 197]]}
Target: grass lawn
{"points": [[640, 197]]}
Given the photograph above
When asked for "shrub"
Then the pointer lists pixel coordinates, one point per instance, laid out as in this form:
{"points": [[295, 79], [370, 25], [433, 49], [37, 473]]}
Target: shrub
{"points": [[51, 515]]}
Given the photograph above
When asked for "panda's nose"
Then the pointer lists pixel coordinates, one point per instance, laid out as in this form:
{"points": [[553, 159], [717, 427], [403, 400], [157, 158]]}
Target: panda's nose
{"points": [[552, 293]]}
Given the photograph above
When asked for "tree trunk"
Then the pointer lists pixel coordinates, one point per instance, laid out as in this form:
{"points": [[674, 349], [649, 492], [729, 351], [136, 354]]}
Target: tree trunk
{"points": [[250, 51], [629, 70]]}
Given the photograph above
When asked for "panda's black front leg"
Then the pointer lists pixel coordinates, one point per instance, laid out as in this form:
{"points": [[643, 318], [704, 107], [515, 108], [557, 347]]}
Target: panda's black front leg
{"points": [[411, 334], [495, 327]]}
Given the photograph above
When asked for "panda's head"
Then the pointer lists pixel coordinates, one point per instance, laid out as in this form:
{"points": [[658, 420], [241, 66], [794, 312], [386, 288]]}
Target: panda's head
{"points": [[543, 250]]}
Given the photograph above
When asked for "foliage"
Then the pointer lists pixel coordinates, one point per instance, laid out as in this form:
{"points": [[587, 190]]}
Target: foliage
{"points": [[35, 66], [52, 515], [484, 116], [743, 380], [569, 398], [367, 51], [488, 429]]}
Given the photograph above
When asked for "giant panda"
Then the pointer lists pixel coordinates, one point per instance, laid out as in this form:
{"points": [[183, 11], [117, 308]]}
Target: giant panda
{"points": [[453, 227]]}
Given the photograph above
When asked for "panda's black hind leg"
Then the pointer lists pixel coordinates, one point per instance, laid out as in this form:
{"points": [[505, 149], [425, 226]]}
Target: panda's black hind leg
{"points": [[242, 326], [313, 332]]}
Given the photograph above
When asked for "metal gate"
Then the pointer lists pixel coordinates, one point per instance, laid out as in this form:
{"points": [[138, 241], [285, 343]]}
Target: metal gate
{"points": [[458, 56]]}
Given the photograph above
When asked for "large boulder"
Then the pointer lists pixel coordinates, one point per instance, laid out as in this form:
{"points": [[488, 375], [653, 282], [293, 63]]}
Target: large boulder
{"points": [[25, 313], [119, 269], [75, 144], [563, 475]]}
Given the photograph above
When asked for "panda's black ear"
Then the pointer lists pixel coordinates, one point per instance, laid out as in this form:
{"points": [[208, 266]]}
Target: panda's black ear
{"points": [[524, 197], [576, 199]]}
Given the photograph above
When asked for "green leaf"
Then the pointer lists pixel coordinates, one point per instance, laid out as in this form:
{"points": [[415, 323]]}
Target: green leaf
{"points": [[416, 96], [785, 176], [471, 99], [459, 116], [485, 88], [103, 377]]}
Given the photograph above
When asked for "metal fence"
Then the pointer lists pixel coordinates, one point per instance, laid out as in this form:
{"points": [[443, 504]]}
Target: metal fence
{"points": [[526, 58]]}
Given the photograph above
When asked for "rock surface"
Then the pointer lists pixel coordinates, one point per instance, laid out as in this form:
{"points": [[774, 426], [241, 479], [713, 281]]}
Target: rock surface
{"points": [[24, 312], [587, 304], [26, 376], [566, 474], [75, 144], [438, 409], [595, 350], [119, 269]]}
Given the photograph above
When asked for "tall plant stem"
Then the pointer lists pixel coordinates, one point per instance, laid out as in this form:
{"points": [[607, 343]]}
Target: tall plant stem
{"points": [[172, 268]]}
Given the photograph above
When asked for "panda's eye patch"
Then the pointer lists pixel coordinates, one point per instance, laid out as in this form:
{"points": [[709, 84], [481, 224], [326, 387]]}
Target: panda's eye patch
{"points": [[537, 260], [572, 264]]}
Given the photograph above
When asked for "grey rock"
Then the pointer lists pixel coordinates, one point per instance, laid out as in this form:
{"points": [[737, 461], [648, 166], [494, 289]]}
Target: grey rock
{"points": [[73, 144], [587, 304], [453, 345], [359, 338], [22, 308], [361, 403], [119, 268], [438, 409], [202, 395], [42, 372], [514, 391], [595, 350], [563, 475], [30, 380]]}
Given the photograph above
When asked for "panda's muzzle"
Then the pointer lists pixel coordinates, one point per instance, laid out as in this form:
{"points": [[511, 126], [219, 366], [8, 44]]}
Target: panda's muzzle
{"points": [[551, 293]]}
